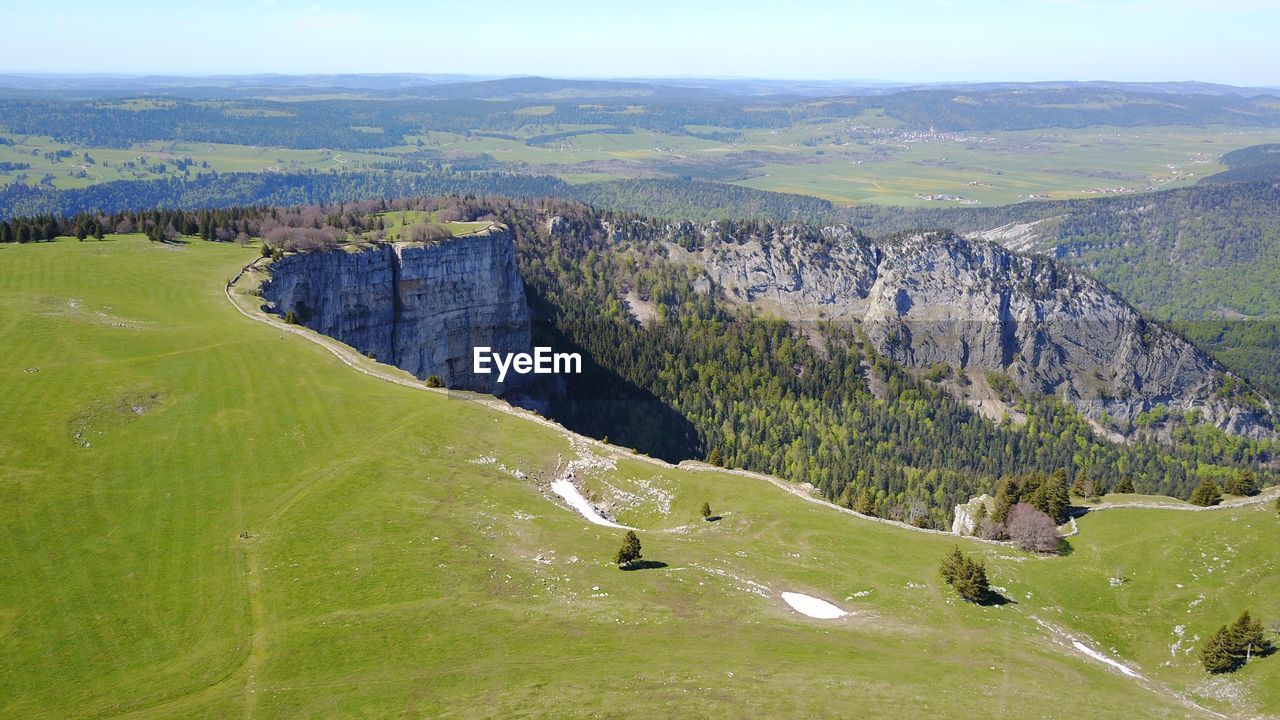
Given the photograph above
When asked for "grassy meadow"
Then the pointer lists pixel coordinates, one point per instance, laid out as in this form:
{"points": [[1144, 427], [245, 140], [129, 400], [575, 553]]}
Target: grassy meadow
{"points": [[203, 516]]}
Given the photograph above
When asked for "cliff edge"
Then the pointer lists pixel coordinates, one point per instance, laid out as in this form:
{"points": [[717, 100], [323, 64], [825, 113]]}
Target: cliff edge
{"points": [[422, 307]]}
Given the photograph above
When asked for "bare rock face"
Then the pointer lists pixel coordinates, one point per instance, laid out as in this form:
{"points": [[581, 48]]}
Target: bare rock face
{"points": [[978, 307], [420, 307], [965, 521]]}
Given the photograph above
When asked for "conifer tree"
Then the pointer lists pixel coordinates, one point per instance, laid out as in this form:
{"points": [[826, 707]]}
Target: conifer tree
{"points": [[1233, 645], [1242, 483], [968, 577], [1245, 637], [630, 550], [1078, 488], [706, 511], [1206, 494], [1125, 485], [1216, 655], [1057, 499], [865, 504]]}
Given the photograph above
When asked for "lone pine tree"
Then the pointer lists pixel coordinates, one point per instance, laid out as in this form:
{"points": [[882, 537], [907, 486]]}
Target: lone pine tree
{"points": [[706, 510], [968, 577], [630, 550]]}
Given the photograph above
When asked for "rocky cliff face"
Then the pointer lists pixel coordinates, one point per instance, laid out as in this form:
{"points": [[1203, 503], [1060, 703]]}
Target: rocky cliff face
{"points": [[419, 307], [978, 307], [966, 514]]}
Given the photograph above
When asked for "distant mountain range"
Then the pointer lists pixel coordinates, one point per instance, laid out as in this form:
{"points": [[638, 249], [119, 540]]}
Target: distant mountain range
{"points": [[458, 85]]}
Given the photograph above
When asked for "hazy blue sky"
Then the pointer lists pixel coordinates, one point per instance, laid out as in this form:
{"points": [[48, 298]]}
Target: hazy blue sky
{"points": [[1232, 41]]}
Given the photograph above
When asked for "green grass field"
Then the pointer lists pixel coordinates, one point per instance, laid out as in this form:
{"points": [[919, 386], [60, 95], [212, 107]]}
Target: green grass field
{"points": [[204, 516], [157, 160], [400, 222]]}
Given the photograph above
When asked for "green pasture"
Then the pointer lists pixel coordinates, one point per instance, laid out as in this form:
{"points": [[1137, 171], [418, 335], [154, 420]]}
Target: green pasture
{"points": [[203, 516]]}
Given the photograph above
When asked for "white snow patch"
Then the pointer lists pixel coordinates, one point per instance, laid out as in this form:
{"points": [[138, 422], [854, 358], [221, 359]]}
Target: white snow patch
{"points": [[812, 606], [1086, 650], [567, 490], [1103, 658]]}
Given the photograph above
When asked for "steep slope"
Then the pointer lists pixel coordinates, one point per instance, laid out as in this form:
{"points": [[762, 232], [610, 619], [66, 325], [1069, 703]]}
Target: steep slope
{"points": [[1206, 257], [976, 307], [418, 307]]}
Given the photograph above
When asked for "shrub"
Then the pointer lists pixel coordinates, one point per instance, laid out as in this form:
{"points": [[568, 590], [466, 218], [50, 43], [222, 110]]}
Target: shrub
{"points": [[1032, 530], [429, 232], [302, 239], [434, 381]]}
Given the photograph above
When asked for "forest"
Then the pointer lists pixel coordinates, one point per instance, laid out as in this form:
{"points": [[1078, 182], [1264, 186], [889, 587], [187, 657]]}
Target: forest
{"points": [[497, 106]]}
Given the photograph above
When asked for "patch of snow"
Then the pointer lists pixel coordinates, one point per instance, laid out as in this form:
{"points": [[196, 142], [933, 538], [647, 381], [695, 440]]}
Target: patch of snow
{"points": [[1085, 649], [1103, 658], [569, 492], [812, 606]]}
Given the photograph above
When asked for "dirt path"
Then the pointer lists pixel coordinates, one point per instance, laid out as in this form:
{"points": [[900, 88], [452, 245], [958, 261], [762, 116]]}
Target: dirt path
{"points": [[1268, 495]]}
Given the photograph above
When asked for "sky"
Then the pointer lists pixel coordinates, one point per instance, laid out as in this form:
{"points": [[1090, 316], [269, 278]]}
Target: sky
{"points": [[1226, 41]]}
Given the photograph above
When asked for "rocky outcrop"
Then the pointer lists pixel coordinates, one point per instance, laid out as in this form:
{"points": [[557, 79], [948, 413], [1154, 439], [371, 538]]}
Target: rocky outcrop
{"points": [[977, 307], [966, 514], [420, 307]]}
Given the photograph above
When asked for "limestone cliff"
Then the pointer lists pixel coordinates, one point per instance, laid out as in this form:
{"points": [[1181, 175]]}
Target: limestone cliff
{"points": [[966, 514], [421, 307], [977, 307]]}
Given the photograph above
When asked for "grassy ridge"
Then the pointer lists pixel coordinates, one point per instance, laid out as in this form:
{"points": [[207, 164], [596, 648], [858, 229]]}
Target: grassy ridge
{"points": [[391, 568]]}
